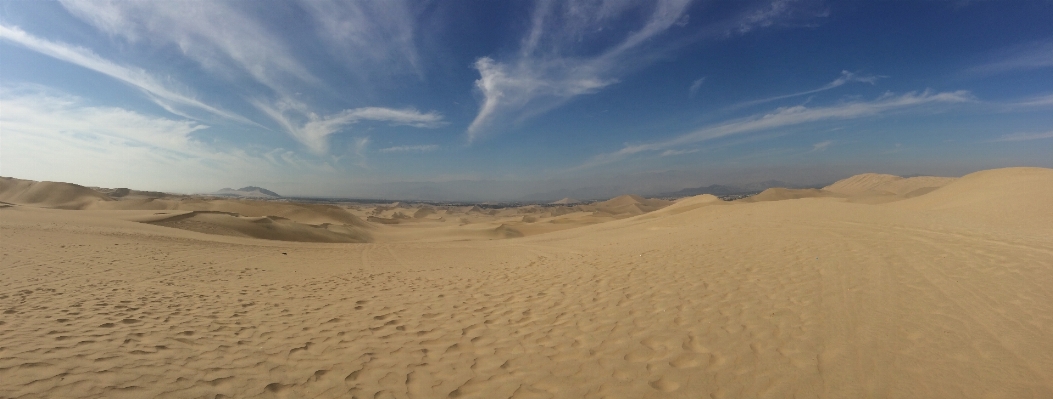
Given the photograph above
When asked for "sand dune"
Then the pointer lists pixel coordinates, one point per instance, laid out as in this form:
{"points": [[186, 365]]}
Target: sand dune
{"points": [[265, 227], [944, 295], [876, 188], [1013, 195], [861, 183], [780, 194], [49, 194], [628, 205]]}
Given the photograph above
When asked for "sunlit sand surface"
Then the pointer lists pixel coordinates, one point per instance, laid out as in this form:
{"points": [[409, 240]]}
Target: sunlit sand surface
{"points": [[873, 287]]}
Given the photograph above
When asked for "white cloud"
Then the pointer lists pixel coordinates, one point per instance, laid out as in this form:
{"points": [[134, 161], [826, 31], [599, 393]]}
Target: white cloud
{"points": [[789, 116], [697, 84], [1040, 101], [668, 153], [227, 41], [361, 145], [219, 37], [1024, 137], [44, 114], [376, 33], [55, 136], [167, 97], [313, 131], [788, 12], [549, 69], [410, 148], [846, 77], [1025, 57], [545, 73], [822, 145]]}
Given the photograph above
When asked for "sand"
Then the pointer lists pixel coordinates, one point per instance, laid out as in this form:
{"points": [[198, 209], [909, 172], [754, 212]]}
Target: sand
{"points": [[943, 295]]}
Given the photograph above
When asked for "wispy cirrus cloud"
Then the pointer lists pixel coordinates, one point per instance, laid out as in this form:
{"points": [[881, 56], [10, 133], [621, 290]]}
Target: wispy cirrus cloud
{"points": [[821, 146], [1039, 101], [220, 37], [846, 77], [1024, 137], [39, 112], [163, 94], [410, 148], [314, 130], [773, 13], [551, 67], [669, 153], [368, 34], [546, 73], [51, 135], [789, 116], [1037, 55], [695, 85], [226, 40]]}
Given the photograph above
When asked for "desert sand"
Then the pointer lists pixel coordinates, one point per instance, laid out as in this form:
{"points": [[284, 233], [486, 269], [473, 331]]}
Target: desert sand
{"points": [[874, 287]]}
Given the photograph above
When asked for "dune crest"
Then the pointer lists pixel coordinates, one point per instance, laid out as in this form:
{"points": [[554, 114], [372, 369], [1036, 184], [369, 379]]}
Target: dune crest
{"points": [[874, 187], [50, 194], [263, 227], [780, 194], [997, 196]]}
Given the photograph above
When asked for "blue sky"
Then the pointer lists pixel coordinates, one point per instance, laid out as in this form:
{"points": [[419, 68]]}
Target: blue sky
{"points": [[477, 100]]}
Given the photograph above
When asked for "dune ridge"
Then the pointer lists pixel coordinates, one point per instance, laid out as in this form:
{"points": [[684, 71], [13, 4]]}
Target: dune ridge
{"points": [[51, 194]]}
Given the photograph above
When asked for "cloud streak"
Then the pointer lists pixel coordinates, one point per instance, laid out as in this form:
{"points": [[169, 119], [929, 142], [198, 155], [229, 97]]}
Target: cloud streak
{"points": [[50, 135], [1040, 101], [697, 84], [314, 130], [786, 117], [1024, 137], [163, 95], [368, 33], [551, 69], [546, 73], [410, 148], [220, 38], [846, 77], [225, 40], [821, 146], [1027, 57]]}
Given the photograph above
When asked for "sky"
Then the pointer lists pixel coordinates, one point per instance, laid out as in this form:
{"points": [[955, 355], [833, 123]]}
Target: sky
{"points": [[509, 101]]}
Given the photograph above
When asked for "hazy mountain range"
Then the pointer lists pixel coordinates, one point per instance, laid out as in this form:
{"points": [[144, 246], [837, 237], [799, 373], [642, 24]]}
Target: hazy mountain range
{"points": [[247, 192], [720, 189]]}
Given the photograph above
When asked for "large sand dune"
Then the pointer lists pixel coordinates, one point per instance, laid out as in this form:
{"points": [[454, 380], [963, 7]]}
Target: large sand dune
{"points": [[944, 294]]}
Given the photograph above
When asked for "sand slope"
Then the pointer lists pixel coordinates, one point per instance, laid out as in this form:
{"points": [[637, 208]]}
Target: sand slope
{"points": [[873, 184], [628, 205], [49, 194], [1013, 195], [781, 194], [265, 227], [929, 297], [243, 218]]}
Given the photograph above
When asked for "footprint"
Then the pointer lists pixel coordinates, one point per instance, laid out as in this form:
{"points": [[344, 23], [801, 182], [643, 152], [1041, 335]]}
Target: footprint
{"points": [[665, 385], [639, 355], [716, 361], [686, 360]]}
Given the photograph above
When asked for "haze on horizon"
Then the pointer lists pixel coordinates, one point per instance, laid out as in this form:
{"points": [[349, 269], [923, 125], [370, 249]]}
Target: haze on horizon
{"points": [[521, 100]]}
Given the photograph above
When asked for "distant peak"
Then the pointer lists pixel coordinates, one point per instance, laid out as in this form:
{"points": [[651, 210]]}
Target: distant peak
{"points": [[249, 191]]}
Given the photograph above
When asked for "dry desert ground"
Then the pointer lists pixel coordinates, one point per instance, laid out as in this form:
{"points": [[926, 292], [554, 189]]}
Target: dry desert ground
{"points": [[874, 287]]}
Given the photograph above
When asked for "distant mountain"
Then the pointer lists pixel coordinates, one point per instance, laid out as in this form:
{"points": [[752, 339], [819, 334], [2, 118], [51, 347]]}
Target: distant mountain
{"points": [[565, 201], [719, 189], [247, 192]]}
